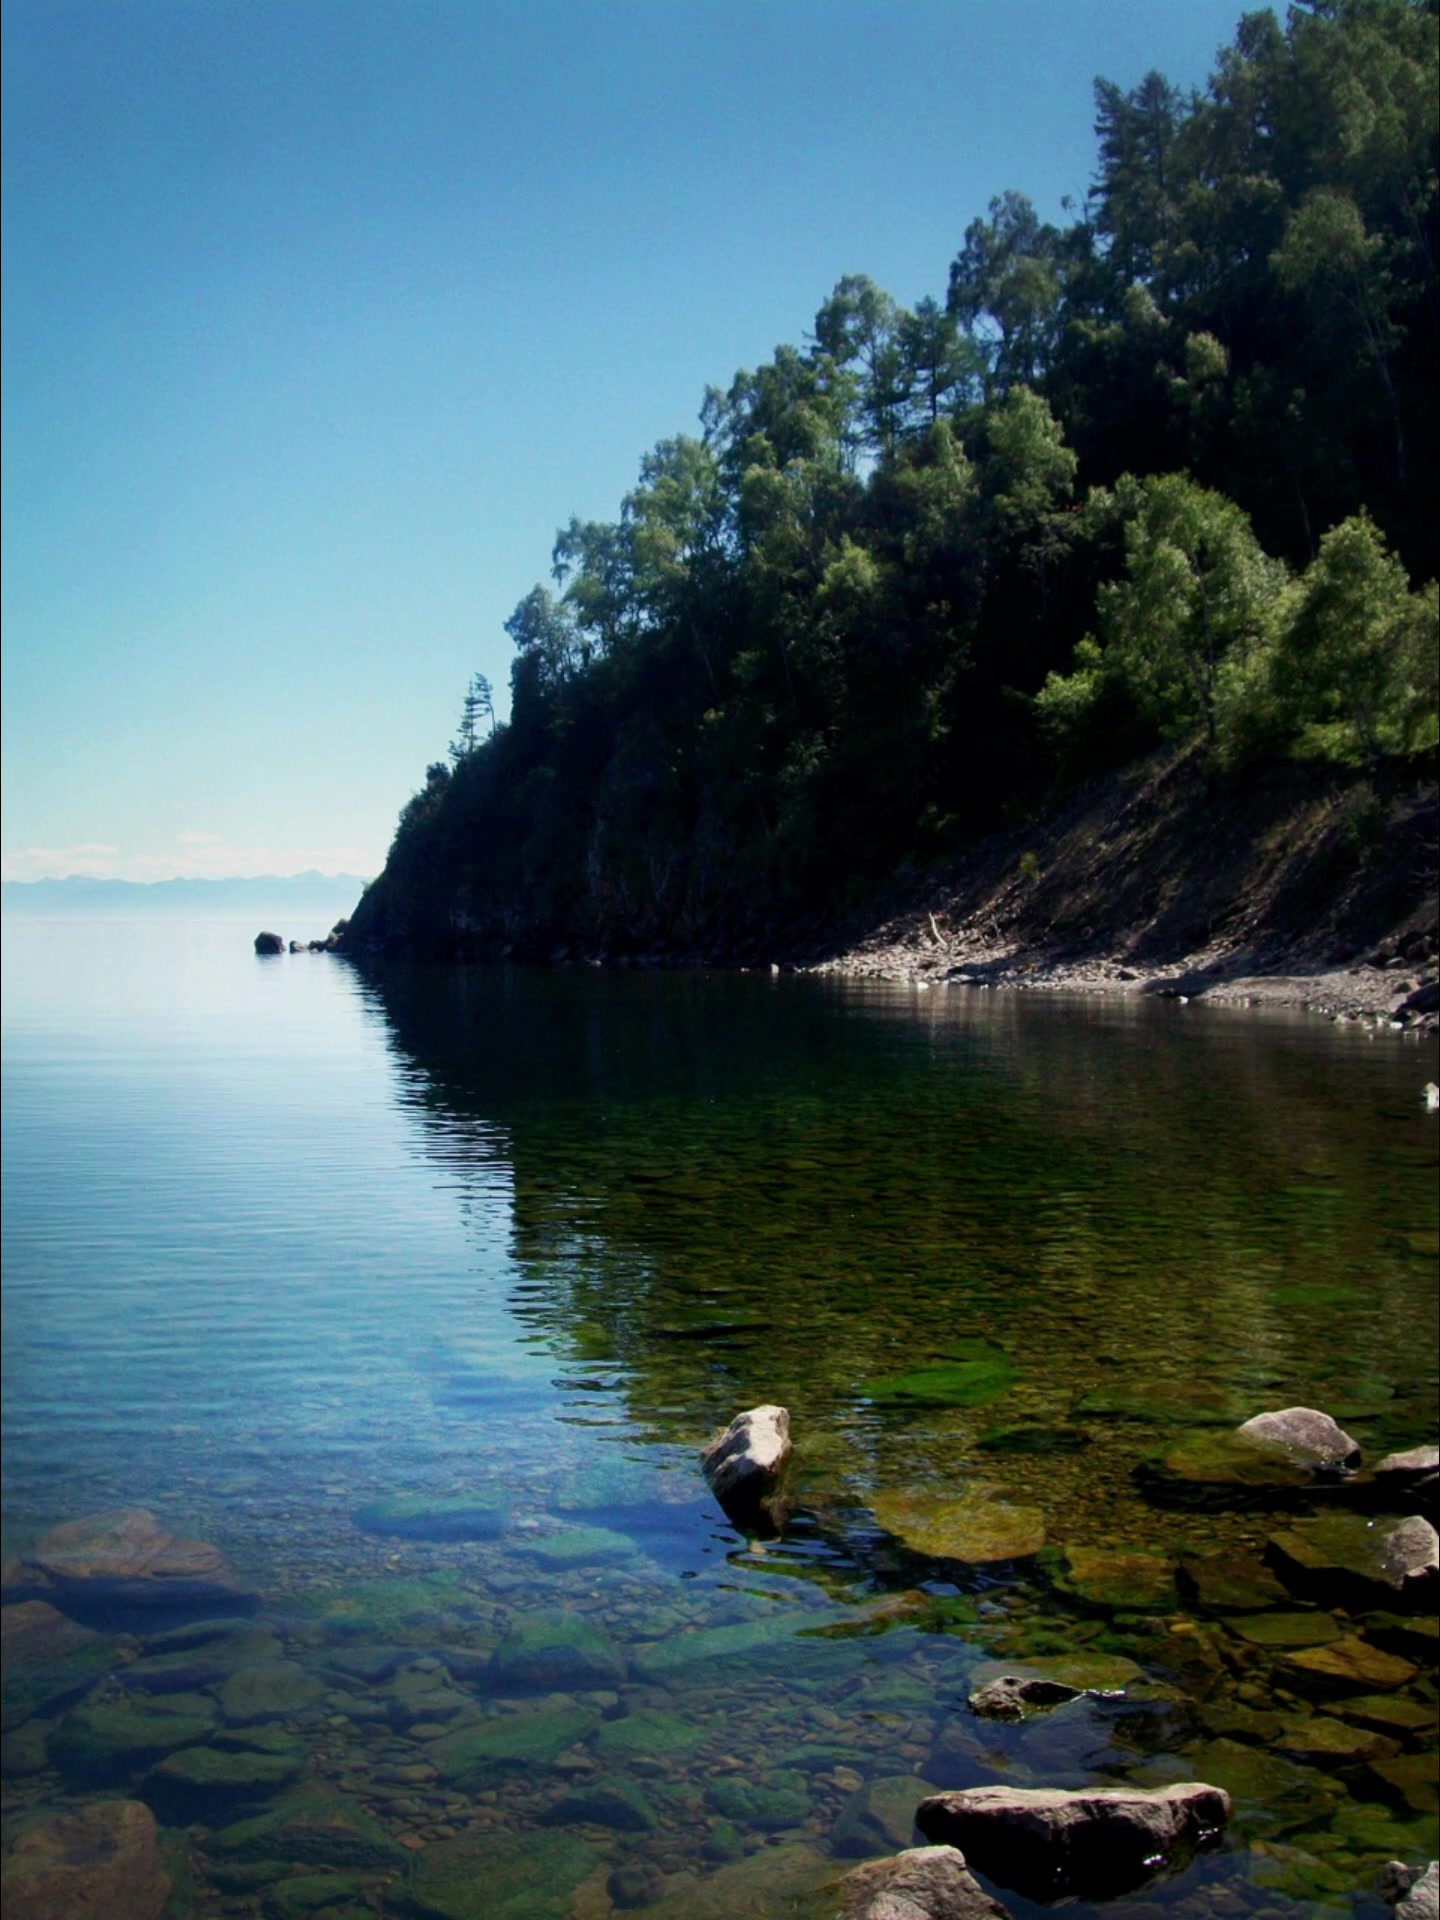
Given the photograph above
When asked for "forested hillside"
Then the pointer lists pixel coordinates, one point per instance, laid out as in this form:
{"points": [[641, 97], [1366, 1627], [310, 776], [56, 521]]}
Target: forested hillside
{"points": [[1167, 473]]}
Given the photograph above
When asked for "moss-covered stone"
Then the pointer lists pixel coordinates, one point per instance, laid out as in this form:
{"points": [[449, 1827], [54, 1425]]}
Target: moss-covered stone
{"points": [[415, 1516], [1231, 1583], [608, 1802], [648, 1735], [314, 1824], [578, 1547], [47, 1660], [973, 1380], [476, 1756], [1167, 1403], [975, 1528], [269, 1690], [394, 1610], [879, 1818], [486, 1877], [307, 1893], [1351, 1661], [556, 1653], [1286, 1629], [102, 1739], [775, 1798], [213, 1772], [1118, 1579]]}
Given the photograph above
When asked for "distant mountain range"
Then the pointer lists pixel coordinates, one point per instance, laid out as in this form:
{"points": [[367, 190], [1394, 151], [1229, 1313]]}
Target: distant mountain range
{"points": [[321, 898]]}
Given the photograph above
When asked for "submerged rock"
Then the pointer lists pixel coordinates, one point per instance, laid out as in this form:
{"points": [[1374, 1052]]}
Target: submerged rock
{"points": [[413, 1516], [47, 1659], [1097, 1843], [529, 1876], [743, 1463], [97, 1861], [126, 1556], [1118, 1579], [973, 1528], [103, 1738], [1347, 1557], [1306, 1438], [923, 1883], [269, 943], [314, 1824], [556, 1653]]}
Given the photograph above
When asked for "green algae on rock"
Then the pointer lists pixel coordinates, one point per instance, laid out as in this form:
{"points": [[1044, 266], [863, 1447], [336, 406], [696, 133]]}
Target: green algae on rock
{"points": [[476, 1756], [48, 1659], [487, 1876], [101, 1739], [1118, 1579], [973, 1528], [973, 1379], [416, 1516], [648, 1734], [315, 1824], [554, 1653]]}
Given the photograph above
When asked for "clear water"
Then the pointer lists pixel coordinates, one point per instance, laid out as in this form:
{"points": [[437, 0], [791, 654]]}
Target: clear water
{"points": [[283, 1241]]}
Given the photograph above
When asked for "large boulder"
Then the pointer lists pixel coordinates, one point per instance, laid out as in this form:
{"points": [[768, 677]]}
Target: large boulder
{"points": [[1414, 1892], [1306, 1438], [923, 1883], [743, 1463], [1344, 1557], [127, 1557], [1097, 1843], [98, 1862], [269, 943]]}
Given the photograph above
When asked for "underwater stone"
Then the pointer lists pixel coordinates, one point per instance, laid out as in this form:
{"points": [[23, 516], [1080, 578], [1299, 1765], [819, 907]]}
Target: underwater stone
{"points": [[237, 1775], [1354, 1661], [1096, 1843], [777, 1798], [99, 1860], [127, 1555], [615, 1803], [477, 1755], [556, 1653], [98, 1739], [743, 1463], [923, 1883], [1118, 1580], [269, 1690], [481, 1876], [47, 1658], [316, 1825], [974, 1529], [881, 1815], [1306, 1438], [410, 1516]]}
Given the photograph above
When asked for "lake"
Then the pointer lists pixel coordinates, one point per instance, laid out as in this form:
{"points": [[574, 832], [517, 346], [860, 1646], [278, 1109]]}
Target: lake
{"points": [[416, 1293]]}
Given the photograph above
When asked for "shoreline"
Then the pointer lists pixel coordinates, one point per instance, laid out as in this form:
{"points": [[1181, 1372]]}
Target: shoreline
{"points": [[1376, 996]]}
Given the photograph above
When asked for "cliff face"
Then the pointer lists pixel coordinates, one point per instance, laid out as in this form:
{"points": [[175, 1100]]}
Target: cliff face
{"points": [[1289, 865]]}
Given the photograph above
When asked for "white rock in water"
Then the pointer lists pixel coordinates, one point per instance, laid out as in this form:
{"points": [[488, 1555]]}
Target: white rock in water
{"points": [[1308, 1438], [744, 1462]]}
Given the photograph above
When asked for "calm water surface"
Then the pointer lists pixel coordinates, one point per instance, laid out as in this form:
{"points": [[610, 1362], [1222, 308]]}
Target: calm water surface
{"points": [[417, 1293]]}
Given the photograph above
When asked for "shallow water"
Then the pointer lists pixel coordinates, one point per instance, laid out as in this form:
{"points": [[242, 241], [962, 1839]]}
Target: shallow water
{"points": [[283, 1241]]}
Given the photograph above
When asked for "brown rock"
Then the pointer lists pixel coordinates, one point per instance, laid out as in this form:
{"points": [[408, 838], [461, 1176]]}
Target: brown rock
{"points": [[1097, 1843], [127, 1554], [1356, 1661], [923, 1883], [101, 1862], [1014, 1695]]}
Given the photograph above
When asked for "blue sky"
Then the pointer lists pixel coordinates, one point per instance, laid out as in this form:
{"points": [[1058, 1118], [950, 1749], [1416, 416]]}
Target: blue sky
{"points": [[320, 316]]}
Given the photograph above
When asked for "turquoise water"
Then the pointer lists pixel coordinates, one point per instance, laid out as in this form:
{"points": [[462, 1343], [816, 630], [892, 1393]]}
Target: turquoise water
{"points": [[284, 1242]]}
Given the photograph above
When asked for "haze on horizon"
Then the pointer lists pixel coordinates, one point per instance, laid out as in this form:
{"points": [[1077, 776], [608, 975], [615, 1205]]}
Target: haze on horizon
{"points": [[317, 324]]}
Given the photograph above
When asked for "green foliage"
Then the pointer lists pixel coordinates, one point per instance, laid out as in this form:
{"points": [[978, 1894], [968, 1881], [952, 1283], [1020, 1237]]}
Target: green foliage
{"points": [[1356, 667], [1164, 473]]}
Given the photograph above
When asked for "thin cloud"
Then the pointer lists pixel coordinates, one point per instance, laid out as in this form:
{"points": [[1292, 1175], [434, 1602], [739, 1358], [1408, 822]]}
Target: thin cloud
{"points": [[194, 838]]}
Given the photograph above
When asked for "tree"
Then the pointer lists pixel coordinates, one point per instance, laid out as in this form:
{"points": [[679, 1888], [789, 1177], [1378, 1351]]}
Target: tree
{"points": [[1199, 597], [478, 705], [1005, 291]]}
